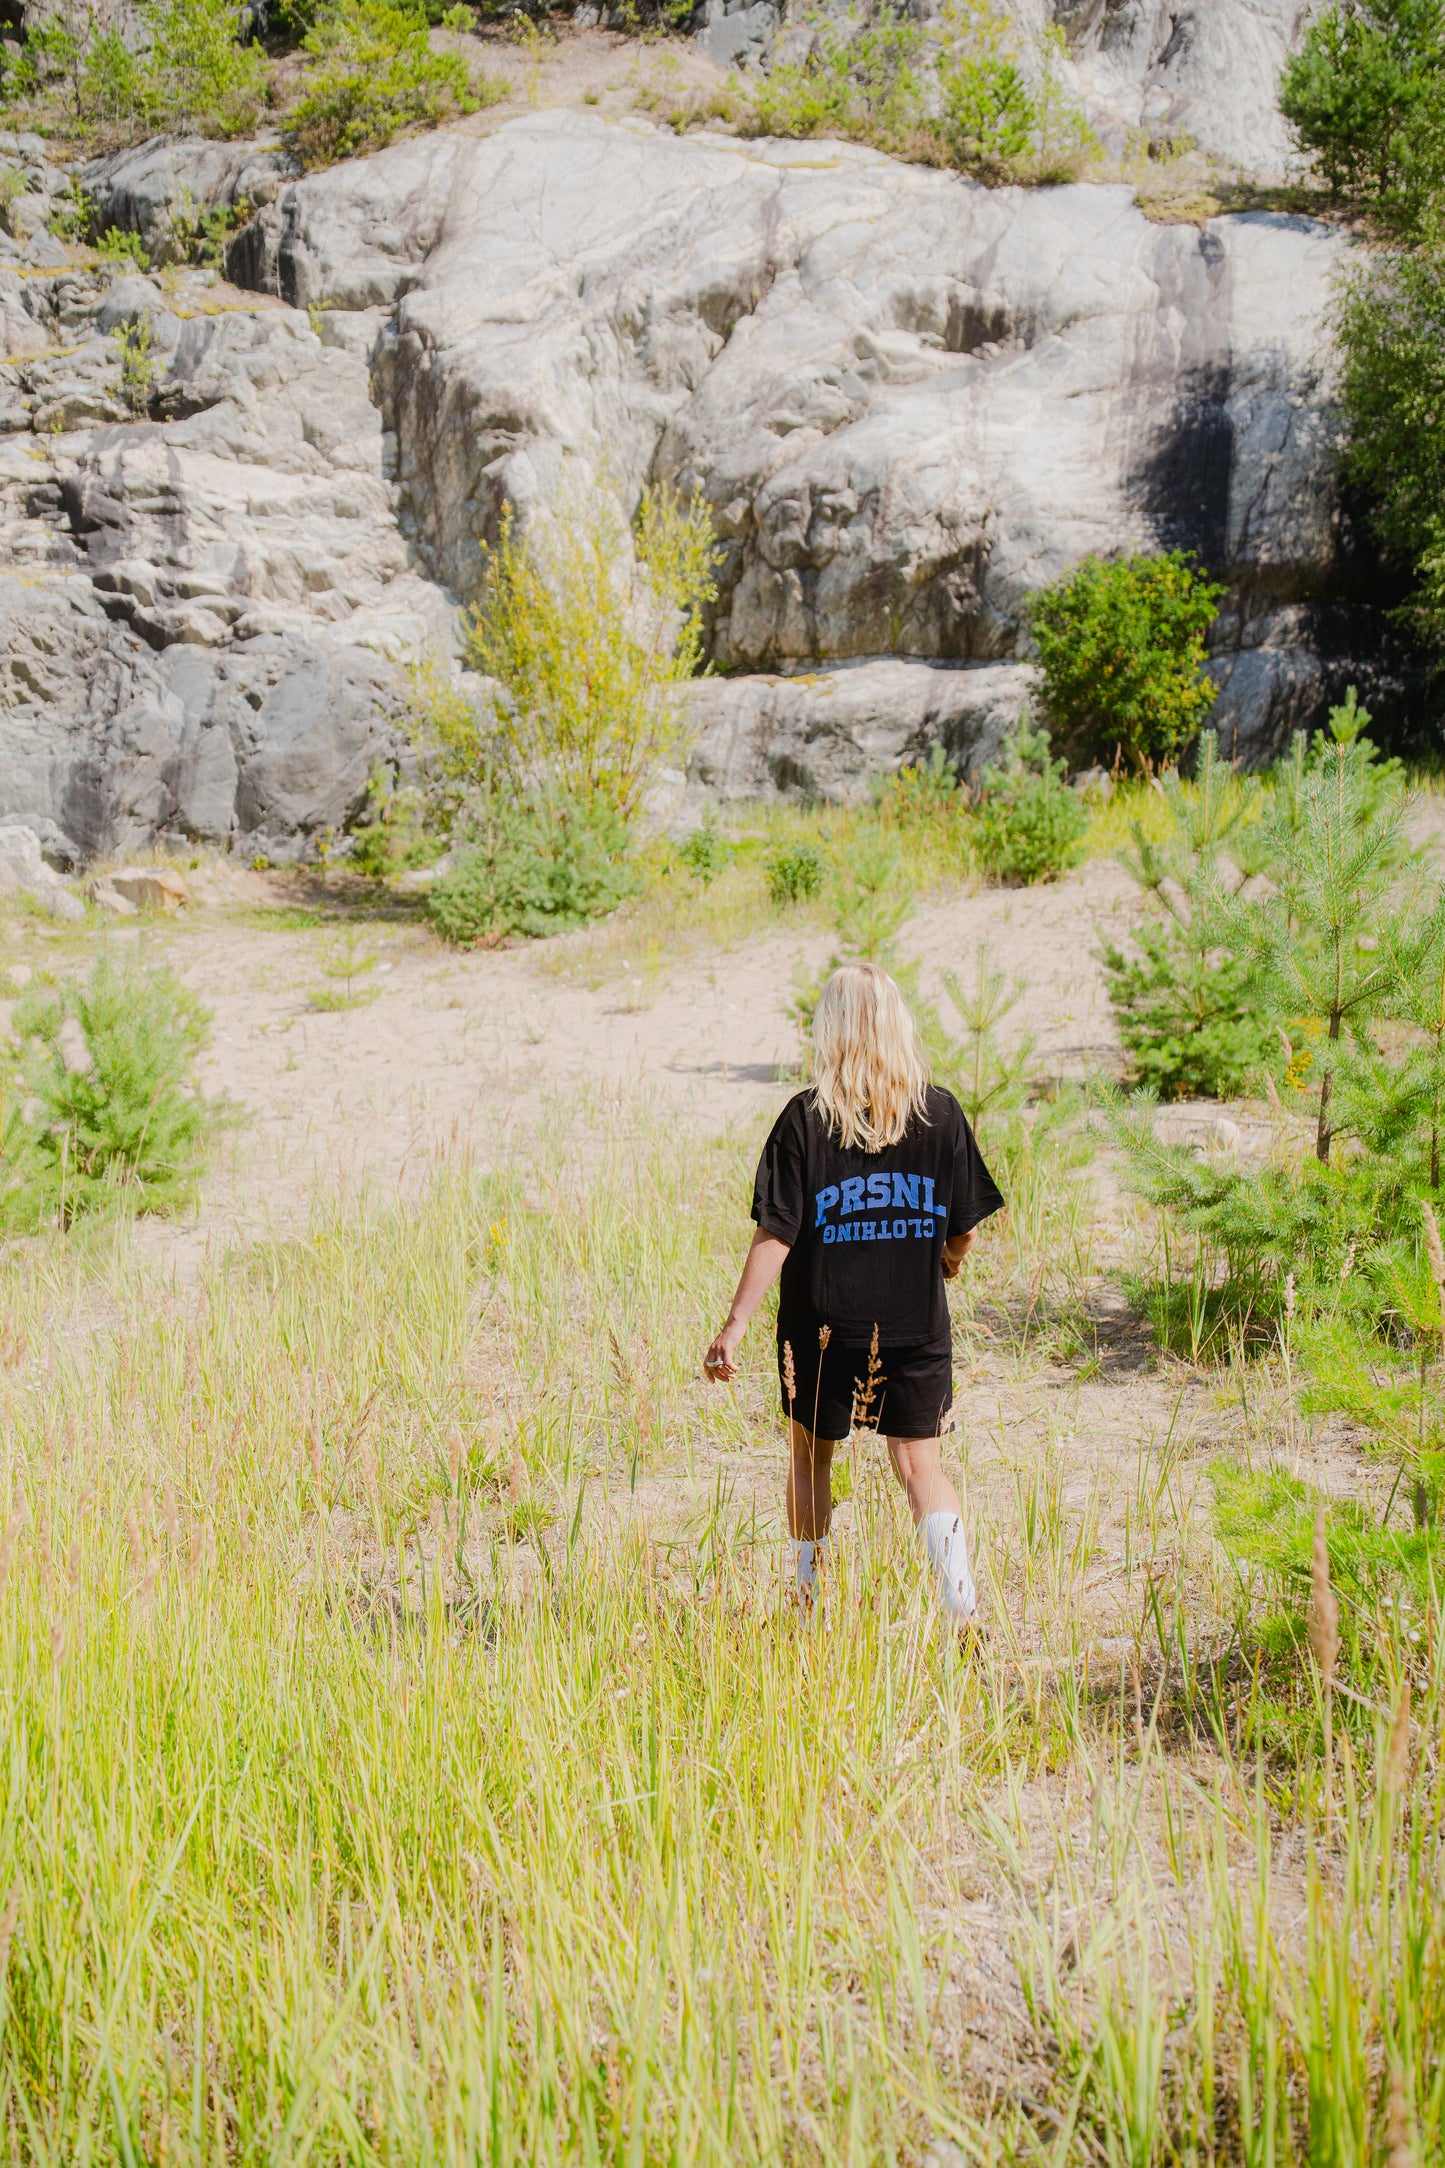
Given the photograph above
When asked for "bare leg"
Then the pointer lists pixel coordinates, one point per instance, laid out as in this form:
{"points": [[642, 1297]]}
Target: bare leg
{"points": [[934, 1504], [810, 1484], [918, 1465]]}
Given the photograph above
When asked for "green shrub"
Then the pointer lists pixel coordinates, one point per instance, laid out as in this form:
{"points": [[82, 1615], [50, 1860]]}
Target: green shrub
{"points": [[193, 72], [795, 874], [1190, 999], [590, 641], [1121, 646], [705, 852], [372, 75], [922, 794], [117, 247], [105, 1113], [1365, 95], [996, 119], [1265, 1519], [392, 834], [1030, 824], [861, 79], [1390, 327], [531, 865]]}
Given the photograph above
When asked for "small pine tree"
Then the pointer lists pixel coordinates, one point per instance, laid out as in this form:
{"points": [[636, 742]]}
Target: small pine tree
{"points": [[1319, 940], [1030, 824], [1190, 999], [107, 1115]]}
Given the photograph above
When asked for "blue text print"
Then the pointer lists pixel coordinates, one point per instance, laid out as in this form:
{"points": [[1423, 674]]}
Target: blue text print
{"points": [[883, 1193]]}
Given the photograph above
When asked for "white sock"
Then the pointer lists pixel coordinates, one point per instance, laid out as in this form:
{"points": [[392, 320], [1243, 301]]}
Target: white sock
{"points": [[807, 1558], [947, 1548]]}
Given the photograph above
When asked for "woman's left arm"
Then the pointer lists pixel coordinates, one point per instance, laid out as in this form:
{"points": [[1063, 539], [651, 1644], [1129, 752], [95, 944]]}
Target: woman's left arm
{"points": [[761, 1266], [955, 1249]]}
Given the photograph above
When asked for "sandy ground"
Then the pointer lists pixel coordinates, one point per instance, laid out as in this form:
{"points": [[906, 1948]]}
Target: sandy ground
{"points": [[459, 1049]]}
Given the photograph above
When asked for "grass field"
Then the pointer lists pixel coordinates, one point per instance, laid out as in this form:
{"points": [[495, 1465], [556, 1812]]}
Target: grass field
{"points": [[389, 1777]]}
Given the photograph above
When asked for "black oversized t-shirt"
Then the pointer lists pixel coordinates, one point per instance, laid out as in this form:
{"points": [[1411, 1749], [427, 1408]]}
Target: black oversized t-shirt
{"points": [[866, 1229]]}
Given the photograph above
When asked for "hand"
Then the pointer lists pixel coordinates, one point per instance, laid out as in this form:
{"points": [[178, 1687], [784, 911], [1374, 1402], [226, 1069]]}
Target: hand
{"points": [[718, 1363]]}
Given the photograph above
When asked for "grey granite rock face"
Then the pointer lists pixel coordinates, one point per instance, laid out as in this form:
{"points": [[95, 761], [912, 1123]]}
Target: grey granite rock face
{"points": [[908, 400]]}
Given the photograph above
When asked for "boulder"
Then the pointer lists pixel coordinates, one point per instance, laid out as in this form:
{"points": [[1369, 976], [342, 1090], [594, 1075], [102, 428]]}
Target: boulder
{"points": [[149, 888], [23, 872], [826, 734]]}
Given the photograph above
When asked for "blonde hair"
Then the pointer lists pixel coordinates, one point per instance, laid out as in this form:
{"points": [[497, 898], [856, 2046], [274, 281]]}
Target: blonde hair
{"points": [[869, 1073]]}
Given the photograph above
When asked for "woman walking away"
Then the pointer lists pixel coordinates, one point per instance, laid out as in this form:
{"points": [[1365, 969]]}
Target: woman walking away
{"points": [[868, 1195]]}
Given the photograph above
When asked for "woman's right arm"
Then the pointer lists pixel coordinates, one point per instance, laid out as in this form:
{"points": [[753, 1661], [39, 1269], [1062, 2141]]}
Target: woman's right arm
{"points": [[764, 1261]]}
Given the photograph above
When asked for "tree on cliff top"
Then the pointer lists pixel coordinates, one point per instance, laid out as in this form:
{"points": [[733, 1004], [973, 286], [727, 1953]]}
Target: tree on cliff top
{"points": [[1365, 95]]}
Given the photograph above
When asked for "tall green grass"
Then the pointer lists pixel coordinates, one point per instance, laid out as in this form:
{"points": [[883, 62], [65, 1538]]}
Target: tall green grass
{"points": [[339, 1826]]}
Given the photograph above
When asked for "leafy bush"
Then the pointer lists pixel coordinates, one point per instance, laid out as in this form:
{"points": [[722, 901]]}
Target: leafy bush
{"points": [[392, 834], [1390, 327], [1365, 95], [795, 874], [978, 101], [532, 865], [705, 852], [1121, 645], [1190, 1000], [590, 643], [117, 247], [1266, 1520], [922, 794], [104, 1113], [998, 120], [372, 75], [193, 71], [860, 79], [1030, 824]]}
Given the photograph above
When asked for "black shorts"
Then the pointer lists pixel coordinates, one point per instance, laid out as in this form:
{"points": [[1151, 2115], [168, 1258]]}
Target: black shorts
{"points": [[911, 1396]]}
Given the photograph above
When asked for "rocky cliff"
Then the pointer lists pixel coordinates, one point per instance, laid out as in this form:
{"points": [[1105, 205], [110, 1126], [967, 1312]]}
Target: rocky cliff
{"points": [[907, 398]]}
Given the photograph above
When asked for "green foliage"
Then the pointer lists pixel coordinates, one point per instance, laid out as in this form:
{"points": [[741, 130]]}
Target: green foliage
{"points": [[590, 641], [199, 235], [116, 247], [922, 794], [193, 72], [534, 865], [1338, 848], [1190, 997], [373, 74], [980, 103], [136, 345], [705, 852], [1121, 646], [795, 874], [862, 78], [1030, 825], [1365, 95], [392, 834], [1003, 118], [1265, 1520], [104, 1114], [987, 1082], [1390, 326]]}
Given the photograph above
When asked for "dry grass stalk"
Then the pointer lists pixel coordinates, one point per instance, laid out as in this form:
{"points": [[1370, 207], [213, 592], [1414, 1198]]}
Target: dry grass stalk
{"points": [[8, 1925], [1325, 1641], [517, 1485], [1433, 1246], [1397, 2126], [790, 1374], [1397, 1751]]}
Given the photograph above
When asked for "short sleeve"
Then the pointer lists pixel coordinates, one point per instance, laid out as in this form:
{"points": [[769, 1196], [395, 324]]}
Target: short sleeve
{"points": [[973, 1192], [778, 1191]]}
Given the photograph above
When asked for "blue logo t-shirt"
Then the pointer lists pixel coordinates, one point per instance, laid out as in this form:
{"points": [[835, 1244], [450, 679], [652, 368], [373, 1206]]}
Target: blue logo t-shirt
{"points": [[866, 1229]]}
